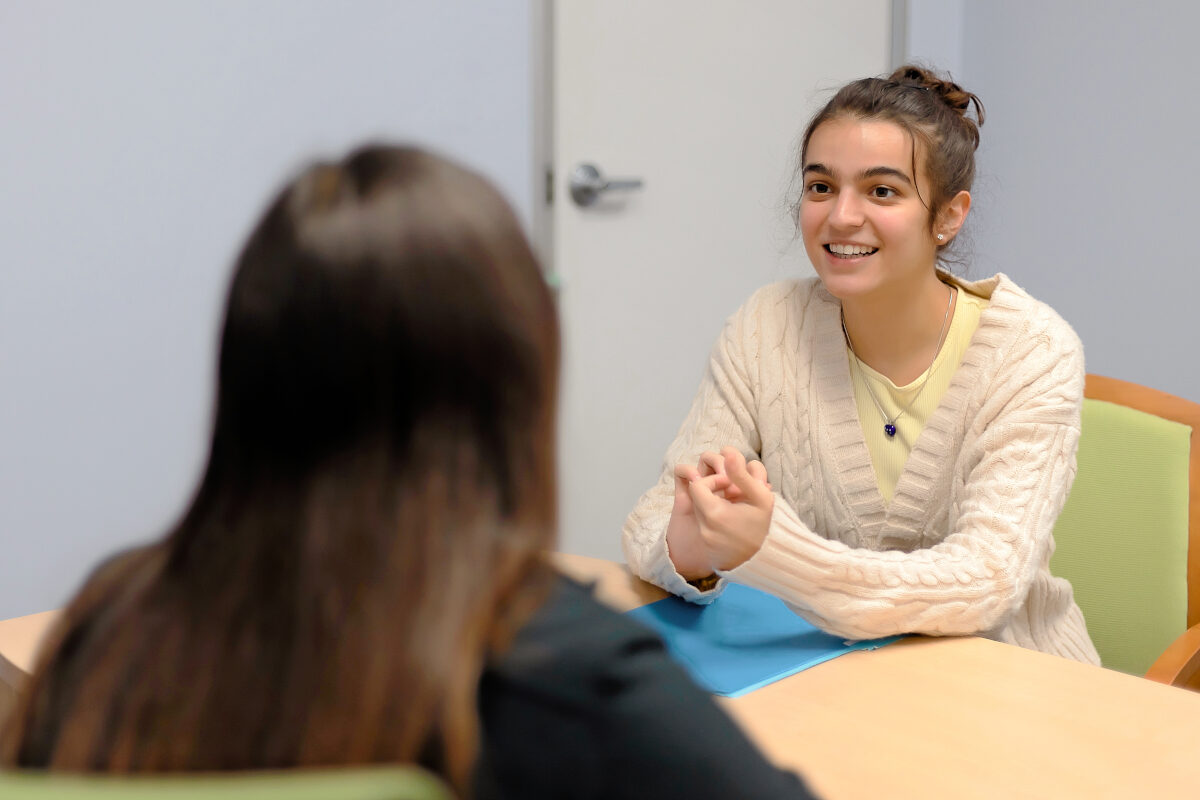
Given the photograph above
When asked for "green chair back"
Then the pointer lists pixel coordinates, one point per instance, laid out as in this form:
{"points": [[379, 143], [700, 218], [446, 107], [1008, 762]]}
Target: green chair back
{"points": [[359, 783], [1122, 539]]}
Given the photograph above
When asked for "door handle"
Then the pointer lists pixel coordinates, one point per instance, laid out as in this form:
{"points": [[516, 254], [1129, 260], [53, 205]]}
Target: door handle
{"points": [[587, 183]]}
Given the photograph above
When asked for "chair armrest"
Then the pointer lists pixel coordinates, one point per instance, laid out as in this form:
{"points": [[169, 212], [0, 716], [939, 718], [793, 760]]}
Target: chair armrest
{"points": [[1179, 664]]}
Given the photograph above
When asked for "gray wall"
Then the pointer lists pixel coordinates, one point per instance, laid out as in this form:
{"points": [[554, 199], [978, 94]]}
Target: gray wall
{"points": [[933, 33], [1088, 167], [138, 140]]}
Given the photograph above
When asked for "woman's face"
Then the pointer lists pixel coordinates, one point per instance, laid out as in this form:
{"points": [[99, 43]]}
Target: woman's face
{"points": [[865, 228]]}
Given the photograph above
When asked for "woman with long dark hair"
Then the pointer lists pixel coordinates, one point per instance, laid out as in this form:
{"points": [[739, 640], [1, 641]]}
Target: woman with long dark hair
{"points": [[360, 577]]}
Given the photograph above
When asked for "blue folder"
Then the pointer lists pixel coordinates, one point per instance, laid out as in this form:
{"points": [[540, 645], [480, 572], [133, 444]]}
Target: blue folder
{"points": [[743, 640]]}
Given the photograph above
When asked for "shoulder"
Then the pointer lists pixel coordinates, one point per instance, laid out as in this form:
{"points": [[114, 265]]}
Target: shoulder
{"points": [[1024, 318], [546, 703], [1030, 358], [572, 644], [105, 599], [1042, 319], [80, 639], [775, 314], [784, 298], [542, 701], [586, 697]]}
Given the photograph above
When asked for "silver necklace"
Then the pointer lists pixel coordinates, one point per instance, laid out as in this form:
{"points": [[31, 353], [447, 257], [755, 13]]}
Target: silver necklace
{"points": [[889, 425]]}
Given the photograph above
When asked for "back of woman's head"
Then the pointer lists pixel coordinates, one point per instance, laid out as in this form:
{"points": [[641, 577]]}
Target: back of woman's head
{"points": [[935, 113], [370, 524], [390, 303]]}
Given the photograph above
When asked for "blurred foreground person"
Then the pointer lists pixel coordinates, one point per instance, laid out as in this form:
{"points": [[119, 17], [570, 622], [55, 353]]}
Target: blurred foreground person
{"points": [[360, 577]]}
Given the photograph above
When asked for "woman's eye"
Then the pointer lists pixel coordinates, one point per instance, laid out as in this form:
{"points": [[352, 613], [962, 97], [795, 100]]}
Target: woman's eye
{"points": [[883, 192], [819, 188]]}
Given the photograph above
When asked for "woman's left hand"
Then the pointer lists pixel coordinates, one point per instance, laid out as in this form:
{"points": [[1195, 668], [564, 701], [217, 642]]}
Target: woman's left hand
{"points": [[733, 530]]}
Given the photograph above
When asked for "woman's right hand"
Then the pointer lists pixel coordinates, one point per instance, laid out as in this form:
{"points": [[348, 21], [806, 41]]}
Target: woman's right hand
{"points": [[692, 557], [684, 543], [732, 509]]}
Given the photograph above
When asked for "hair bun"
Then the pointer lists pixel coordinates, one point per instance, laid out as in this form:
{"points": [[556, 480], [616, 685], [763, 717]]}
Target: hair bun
{"points": [[951, 93]]}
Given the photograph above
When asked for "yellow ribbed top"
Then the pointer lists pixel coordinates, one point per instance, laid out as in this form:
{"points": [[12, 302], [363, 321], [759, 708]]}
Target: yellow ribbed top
{"points": [[889, 454]]}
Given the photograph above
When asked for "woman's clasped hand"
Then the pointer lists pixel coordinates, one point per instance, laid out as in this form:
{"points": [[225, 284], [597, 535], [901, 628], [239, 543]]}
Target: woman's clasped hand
{"points": [[721, 514]]}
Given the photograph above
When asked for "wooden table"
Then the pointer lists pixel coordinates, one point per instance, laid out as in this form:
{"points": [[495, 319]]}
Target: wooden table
{"points": [[929, 718], [960, 718]]}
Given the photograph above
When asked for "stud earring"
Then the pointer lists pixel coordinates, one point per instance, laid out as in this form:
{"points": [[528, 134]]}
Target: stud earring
{"points": [[941, 237]]}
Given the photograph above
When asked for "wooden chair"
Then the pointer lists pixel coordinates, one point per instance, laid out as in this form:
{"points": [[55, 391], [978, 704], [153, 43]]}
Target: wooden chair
{"points": [[1129, 536]]}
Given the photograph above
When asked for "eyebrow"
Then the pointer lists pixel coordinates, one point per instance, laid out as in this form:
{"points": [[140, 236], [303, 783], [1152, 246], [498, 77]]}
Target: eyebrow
{"points": [[872, 172]]}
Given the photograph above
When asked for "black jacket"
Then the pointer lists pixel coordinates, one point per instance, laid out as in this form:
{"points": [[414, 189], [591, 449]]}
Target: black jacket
{"points": [[586, 704]]}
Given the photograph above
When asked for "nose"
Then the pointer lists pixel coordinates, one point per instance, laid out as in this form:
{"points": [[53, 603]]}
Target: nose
{"points": [[847, 211]]}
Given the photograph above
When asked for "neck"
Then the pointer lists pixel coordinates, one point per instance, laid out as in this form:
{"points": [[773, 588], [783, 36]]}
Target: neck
{"points": [[898, 335]]}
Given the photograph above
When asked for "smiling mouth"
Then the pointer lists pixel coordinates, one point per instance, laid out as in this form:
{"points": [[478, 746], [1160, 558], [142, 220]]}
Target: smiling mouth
{"points": [[849, 250]]}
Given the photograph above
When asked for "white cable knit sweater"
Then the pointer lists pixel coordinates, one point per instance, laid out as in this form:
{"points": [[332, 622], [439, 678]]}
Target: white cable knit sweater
{"points": [[964, 547]]}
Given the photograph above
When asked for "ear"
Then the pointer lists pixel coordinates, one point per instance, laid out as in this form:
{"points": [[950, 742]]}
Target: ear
{"points": [[953, 215]]}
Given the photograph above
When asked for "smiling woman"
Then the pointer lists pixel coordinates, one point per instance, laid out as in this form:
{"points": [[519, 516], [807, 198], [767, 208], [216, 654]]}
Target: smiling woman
{"points": [[885, 447]]}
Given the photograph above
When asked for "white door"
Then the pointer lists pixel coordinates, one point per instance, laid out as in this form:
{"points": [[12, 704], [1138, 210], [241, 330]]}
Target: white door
{"points": [[704, 103]]}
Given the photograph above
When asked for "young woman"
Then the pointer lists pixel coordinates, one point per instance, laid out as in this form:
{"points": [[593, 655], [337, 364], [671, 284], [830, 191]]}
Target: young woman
{"points": [[361, 577], [918, 430]]}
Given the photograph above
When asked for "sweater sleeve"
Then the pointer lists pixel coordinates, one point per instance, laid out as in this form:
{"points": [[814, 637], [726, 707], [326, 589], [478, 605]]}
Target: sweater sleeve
{"points": [[1023, 461], [722, 414]]}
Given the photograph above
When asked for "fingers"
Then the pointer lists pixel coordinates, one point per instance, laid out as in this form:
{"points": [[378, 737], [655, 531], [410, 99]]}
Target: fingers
{"points": [[732, 531], [711, 463], [704, 496], [746, 477], [712, 483], [759, 471]]}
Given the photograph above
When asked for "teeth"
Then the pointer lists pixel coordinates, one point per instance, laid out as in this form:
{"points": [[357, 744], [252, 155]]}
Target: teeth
{"points": [[851, 249]]}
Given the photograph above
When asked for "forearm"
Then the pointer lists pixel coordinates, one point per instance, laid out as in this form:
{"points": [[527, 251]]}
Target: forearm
{"points": [[657, 547], [645, 543], [863, 594], [967, 584]]}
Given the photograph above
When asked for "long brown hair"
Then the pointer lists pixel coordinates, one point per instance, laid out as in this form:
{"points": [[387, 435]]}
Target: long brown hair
{"points": [[370, 524]]}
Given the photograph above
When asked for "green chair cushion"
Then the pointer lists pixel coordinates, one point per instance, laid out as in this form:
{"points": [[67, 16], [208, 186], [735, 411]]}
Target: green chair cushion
{"points": [[361, 783], [1122, 539]]}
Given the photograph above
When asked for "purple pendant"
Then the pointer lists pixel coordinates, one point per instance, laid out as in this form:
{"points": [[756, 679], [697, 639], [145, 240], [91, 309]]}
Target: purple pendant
{"points": [[890, 430]]}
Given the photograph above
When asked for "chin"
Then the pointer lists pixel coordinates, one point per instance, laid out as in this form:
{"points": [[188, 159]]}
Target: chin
{"points": [[845, 284]]}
